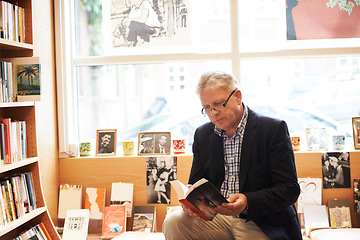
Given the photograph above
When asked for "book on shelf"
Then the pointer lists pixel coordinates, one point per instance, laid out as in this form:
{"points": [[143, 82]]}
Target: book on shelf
{"points": [[144, 219], [37, 232], [339, 213], [70, 197], [122, 194], [76, 224], [7, 134], [95, 202], [8, 200], [28, 179], [316, 217], [202, 197], [12, 22], [25, 90], [114, 222], [2, 145]]}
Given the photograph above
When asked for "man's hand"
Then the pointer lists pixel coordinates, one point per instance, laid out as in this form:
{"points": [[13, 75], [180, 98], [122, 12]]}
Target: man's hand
{"points": [[237, 204], [190, 212]]}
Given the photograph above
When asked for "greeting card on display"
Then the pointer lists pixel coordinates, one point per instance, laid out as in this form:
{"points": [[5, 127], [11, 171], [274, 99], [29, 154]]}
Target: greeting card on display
{"points": [[310, 192]]}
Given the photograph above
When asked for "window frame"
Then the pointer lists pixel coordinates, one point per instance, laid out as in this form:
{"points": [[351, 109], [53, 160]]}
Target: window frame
{"points": [[66, 63]]}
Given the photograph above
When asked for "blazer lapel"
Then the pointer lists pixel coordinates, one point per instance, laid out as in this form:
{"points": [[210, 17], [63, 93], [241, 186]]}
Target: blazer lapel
{"points": [[247, 147]]}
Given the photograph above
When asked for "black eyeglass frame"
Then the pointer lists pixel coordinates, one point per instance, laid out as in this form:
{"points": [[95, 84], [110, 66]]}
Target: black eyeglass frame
{"points": [[203, 110]]}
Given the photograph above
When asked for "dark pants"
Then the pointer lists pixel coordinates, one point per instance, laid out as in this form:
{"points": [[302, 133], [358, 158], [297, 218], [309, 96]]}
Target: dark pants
{"points": [[138, 29]]}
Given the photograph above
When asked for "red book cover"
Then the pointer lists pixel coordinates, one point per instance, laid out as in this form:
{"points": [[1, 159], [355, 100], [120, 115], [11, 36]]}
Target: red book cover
{"points": [[114, 222], [7, 136], [95, 202]]}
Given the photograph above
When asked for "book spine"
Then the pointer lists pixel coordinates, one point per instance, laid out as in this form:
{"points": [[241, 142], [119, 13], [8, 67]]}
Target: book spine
{"points": [[2, 145], [7, 136], [46, 232]]}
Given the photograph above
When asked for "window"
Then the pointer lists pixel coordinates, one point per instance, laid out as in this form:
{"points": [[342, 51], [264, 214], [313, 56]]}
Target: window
{"points": [[152, 86]]}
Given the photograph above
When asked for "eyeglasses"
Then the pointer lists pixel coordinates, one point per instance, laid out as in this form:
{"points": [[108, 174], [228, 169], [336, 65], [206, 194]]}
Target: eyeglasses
{"points": [[207, 110]]}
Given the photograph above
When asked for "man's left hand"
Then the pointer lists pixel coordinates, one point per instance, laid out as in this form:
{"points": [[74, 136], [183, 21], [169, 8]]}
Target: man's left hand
{"points": [[236, 205]]}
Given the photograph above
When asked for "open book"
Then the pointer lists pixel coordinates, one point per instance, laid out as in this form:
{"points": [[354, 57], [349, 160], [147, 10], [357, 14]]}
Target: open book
{"points": [[202, 197]]}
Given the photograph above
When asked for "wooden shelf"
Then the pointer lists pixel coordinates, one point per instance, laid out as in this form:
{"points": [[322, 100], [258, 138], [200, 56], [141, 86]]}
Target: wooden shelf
{"points": [[24, 111]]}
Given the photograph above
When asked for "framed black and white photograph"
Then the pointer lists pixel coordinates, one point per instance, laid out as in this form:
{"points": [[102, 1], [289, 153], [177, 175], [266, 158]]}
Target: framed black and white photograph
{"points": [[158, 143], [356, 131], [336, 170], [316, 139], [160, 171], [106, 142]]}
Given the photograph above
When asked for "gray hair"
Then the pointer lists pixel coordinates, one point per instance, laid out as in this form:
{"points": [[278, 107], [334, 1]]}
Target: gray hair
{"points": [[217, 79]]}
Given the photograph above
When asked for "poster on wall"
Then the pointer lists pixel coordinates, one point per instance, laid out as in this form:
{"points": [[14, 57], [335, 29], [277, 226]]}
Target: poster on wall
{"points": [[148, 23], [322, 19], [336, 170]]}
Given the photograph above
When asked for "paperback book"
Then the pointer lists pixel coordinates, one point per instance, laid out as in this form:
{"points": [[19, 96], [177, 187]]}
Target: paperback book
{"points": [[144, 219], [76, 224], [202, 197], [114, 222], [70, 197], [339, 213]]}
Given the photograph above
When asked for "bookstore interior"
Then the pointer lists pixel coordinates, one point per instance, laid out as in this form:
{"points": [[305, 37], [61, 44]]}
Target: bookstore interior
{"points": [[98, 109]]}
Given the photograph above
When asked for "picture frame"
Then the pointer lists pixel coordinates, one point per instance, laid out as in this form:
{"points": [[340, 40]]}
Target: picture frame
{"points": [[106, 141], [154, 143], [356, 132], [316, 139]]}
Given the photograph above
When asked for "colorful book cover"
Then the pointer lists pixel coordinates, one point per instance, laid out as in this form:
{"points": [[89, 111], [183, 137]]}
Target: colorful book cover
{"points": [[95, 202], [28, 81], [144, 219], [122, 194], [114, 222], [27, 77], [339, 213], [70, 197]]}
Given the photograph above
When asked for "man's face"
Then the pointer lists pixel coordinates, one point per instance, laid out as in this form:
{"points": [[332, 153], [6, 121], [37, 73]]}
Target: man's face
{"points": [[227, 117], [162, 140], [105, 140]]}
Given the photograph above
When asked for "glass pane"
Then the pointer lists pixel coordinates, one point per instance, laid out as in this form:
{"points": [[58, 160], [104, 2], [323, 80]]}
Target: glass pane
{"points": [[306, 92], [135, 98], [115, 28]]}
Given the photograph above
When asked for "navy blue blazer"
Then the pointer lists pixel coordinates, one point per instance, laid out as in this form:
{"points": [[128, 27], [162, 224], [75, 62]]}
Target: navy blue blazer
{"points": [[267, 172]]}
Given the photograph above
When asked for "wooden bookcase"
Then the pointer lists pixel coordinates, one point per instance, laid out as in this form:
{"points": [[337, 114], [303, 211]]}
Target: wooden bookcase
{"points": [[24, 111]]}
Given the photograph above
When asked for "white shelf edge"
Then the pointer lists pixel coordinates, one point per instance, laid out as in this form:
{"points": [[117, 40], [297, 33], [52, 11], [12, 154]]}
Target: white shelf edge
{"points": [[18, 222], [19, 164]]}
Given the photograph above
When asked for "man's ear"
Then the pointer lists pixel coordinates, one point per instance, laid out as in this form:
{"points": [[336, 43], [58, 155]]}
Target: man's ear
{"points": [[238, 96]]}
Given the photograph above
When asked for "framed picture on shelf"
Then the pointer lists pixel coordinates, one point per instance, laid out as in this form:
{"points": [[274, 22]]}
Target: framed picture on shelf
{"points": [[316, 139], [106, 142], [150, 143], [356, 131]]}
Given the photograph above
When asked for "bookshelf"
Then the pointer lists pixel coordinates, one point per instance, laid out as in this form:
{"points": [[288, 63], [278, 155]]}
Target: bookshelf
{"points": [[24, 111]]}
